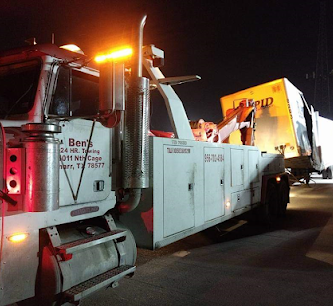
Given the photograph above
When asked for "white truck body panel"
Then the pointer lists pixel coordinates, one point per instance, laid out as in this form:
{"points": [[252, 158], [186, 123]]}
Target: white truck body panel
{"points": [[322, 147], [325, 134], [195, 185]]}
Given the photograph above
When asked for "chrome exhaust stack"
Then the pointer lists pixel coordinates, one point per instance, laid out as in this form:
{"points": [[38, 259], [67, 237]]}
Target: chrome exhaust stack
{"points": [[135, 161]]}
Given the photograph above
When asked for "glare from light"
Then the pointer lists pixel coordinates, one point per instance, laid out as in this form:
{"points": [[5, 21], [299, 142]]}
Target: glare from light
{"points": [[72, 48], [227, 204], [278, 179], [17, 237], [114, 55]]}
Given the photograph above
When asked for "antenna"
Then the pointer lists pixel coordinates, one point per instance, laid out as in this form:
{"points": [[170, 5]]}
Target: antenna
{"points": [[31, 41], [52, 39]]}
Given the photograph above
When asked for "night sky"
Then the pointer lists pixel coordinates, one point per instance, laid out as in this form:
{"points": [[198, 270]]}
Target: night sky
{"points": [[232, 45]]}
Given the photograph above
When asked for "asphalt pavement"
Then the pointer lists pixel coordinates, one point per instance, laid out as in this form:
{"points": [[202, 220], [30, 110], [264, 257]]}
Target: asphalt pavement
{"points": [[242, 263]]}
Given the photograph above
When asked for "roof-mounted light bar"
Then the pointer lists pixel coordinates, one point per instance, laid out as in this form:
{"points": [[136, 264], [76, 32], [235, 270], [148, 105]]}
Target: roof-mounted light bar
{"points": [[120, 53]]}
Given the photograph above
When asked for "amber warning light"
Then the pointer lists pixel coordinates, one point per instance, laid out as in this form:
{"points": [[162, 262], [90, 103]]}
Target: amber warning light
{"points": [[114, 55], [17, 237]]}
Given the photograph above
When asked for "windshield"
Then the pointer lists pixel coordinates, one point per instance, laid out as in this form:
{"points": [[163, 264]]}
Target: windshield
{"points": [[18, 84]]}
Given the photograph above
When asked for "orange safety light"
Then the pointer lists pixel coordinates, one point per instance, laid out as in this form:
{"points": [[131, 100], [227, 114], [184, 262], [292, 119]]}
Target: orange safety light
{"points": [[278, 179], [114, 55], [17, 237]]}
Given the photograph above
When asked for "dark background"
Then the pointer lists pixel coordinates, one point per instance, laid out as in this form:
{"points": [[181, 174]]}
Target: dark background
{"points": [[232, 45]]}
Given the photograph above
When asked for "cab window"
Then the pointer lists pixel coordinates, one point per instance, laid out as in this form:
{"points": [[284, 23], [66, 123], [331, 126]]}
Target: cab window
{"points": [[76, 94]]}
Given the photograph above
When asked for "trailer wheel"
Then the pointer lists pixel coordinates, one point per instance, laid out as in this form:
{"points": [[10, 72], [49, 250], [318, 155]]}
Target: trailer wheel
{"points": [[283, 198]]}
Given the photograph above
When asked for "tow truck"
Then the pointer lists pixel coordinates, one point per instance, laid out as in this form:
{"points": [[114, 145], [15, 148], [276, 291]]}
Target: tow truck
{"points": [[84, 180]]}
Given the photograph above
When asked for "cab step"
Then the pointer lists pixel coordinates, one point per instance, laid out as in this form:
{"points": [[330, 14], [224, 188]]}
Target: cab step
{"points": [[81, 244], [82, 290]]}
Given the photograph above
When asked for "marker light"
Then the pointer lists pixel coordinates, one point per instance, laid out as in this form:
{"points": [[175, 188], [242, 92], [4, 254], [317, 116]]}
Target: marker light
{"points": [[113, 55], [17, 237], [278, 179], [227, 205], [72, 48]]}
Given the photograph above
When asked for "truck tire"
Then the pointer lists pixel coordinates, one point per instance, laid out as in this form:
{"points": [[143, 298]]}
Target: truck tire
{"points": [[324, 174], [268, 212], [329, 172], [283, 198], [49, 273], [272, 200]]}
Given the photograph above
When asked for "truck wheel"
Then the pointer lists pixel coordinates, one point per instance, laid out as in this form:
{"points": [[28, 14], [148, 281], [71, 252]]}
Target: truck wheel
{"points": [[129, 244], [272, 200], [49, 273], [267, 212], [283, 198], [329, 172], [324, 174], [307, 178]]}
